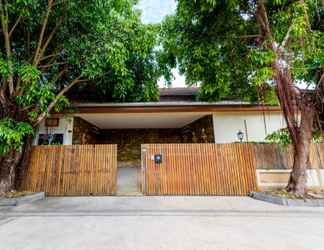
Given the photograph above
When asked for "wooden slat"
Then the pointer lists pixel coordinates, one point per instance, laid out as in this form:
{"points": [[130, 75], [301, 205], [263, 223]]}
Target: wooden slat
{"points": [[72, 170], [271, 156], [187, 169], [200, 169]]}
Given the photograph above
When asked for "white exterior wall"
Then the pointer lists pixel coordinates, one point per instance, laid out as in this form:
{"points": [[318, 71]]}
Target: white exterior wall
{"points": [[259, 125], [314, 178], [65, 127]]}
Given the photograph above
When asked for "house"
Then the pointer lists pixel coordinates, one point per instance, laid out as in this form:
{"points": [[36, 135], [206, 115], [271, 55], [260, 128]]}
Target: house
{"points": [[177, 146], [176, 118], [152, 134]]}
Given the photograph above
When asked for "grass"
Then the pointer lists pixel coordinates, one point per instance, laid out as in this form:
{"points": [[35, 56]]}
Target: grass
{"points": [[284, 194], [15, 194]]}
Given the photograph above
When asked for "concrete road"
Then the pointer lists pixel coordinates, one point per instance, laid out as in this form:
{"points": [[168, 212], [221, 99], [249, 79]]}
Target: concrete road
{"points": [[153, 223]]}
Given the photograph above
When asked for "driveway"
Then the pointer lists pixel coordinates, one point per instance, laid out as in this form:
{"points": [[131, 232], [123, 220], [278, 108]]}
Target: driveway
{"points": [[172, 223]]}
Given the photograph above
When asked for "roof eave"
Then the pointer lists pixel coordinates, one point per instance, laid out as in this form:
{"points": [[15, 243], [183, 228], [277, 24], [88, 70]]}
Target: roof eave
{"points": [[171, 107]]}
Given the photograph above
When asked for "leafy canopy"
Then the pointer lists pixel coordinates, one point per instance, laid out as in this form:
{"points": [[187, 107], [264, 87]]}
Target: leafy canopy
{"points": [[219, 45], [49, 48]]}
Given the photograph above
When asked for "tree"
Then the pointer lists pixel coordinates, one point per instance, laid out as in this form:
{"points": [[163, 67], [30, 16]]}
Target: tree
{"points": [[203, 45], [49, 47], [240, 46]]}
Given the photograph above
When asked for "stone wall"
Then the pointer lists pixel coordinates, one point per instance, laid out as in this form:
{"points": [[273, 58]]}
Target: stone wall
{"points": [[129, 142], [200, 131], [84, 132]]}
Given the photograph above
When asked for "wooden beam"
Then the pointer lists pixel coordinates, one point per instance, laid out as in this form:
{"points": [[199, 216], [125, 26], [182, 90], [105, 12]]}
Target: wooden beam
{"points": [[166, 109]]}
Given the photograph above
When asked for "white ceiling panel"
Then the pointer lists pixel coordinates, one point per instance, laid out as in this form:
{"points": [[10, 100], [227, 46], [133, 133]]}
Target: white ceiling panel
{"points": [[141, 120]]}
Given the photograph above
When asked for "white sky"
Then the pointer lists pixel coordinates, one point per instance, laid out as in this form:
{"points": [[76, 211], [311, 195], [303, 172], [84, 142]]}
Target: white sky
{"points": [[153, 11]]}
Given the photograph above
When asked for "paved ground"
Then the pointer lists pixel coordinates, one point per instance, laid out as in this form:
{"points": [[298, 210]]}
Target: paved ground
{"points": [[172, 223], [127, 180]]}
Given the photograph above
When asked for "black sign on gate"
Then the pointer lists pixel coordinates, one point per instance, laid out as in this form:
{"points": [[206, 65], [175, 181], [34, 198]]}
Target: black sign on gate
{"points": [[158, 158]]}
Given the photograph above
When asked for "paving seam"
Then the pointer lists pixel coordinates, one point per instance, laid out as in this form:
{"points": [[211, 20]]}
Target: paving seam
{"points": [[154, 214]]}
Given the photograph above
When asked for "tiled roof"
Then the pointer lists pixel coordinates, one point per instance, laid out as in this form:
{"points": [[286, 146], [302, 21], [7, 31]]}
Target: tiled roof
{"points": [[190, 91]]}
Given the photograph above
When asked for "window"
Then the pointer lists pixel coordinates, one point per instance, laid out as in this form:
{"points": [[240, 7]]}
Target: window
{"points": [[50, 139]]}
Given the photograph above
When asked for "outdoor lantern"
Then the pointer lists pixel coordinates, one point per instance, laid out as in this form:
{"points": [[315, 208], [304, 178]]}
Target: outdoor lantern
{"points": [[240, 135]]}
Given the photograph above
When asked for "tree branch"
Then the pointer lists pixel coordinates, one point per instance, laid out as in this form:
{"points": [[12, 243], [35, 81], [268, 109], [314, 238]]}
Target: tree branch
{"points": [[250, 36], [27, 107], [321, 79], [50, 37], [5, 30], [15, 25], [263, 23], [41, 36], [58, 96], [51, 65], [286, 39], [49, 56], [58, 76], [319, 85]]}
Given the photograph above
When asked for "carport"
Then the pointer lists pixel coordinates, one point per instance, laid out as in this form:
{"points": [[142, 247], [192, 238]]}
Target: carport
{"points": [[130, 130]]}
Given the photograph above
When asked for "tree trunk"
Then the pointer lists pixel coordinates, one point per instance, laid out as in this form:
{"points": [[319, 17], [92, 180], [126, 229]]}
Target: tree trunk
{"points": [[12, 163], [24, 161], [8, 171], [298, 179], [299, 111], [298, 108]]}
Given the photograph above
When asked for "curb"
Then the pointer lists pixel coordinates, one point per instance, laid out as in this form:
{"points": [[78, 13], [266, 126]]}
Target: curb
{"points": [[286, 201], [22, 200]]}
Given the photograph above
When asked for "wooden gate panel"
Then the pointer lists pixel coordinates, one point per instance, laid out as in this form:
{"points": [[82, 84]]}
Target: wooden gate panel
{"points": [[72, 170], [199, 169]]}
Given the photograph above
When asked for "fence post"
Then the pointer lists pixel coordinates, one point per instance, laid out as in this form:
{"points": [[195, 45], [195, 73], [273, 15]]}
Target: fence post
{"points": [[143, 168]]}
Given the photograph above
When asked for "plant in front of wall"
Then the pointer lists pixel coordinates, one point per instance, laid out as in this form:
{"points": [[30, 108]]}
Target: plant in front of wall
{"points": [[280, 137]]}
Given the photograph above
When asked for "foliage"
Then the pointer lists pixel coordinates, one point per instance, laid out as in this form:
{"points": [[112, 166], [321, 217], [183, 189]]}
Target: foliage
{"points": [[12, 135], [49, 48], [282, 138], [140, 74], [218, 44], [202, 38]]}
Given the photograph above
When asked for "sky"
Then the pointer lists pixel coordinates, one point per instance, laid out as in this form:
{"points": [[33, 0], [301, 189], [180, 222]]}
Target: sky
{"points": [[153, 11]]}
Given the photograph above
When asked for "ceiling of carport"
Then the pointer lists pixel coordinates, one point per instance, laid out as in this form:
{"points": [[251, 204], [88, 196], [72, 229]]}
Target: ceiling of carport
{"points": [[142, 120]]}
